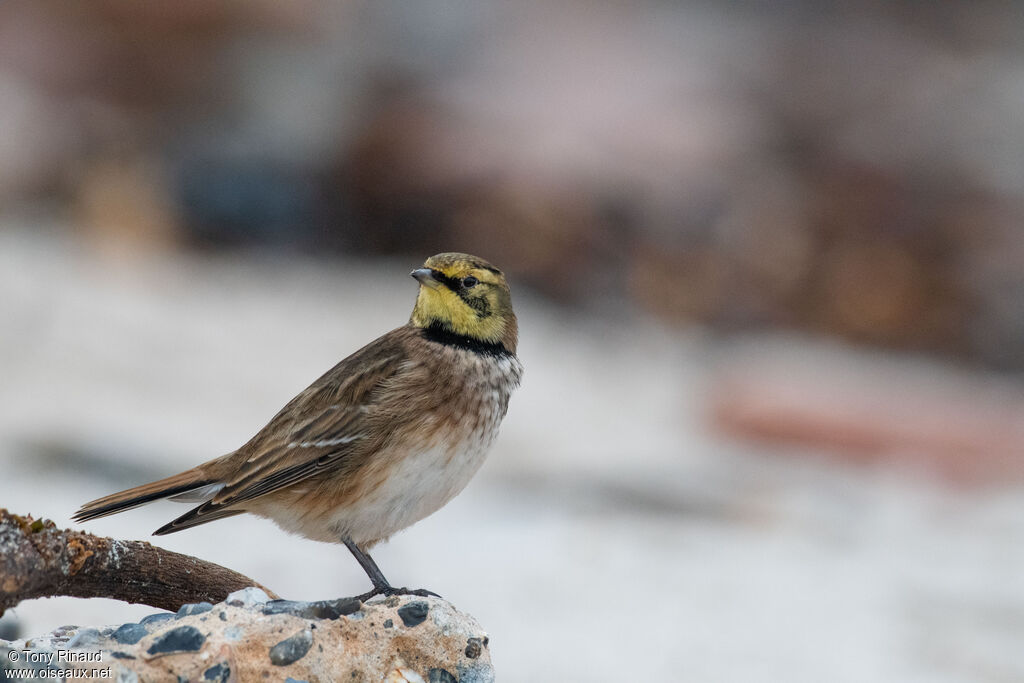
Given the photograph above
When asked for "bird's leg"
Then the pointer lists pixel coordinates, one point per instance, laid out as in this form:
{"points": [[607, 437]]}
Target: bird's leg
{"points": [[380, 584]]}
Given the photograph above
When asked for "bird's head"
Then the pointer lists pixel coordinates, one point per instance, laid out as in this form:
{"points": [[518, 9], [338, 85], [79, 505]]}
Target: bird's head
{"points": [[466, 296]]}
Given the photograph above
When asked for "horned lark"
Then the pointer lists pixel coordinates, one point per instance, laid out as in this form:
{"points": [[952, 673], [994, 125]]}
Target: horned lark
{"points": [[383, 439]]}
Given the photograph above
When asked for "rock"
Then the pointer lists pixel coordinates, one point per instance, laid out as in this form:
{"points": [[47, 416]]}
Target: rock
{"points": [[180, 639], [401, 674], [9, 627], [84, 638], [399, 639], [197, 608], [220, 673], [291, 649], [321, 609], [129, 634], [247, 597], [414, 613], [154, 619], [440, 676], [474, 646]]}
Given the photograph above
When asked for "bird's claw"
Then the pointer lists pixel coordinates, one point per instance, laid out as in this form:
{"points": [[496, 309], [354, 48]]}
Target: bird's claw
{"points": [[422, 592], [388, 591]]}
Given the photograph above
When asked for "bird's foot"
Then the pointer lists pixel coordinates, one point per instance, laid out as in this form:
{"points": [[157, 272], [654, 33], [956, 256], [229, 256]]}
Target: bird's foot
{"points": [[388, 591]]}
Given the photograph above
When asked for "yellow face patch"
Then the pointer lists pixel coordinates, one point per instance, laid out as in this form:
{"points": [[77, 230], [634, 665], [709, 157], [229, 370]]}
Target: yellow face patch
{"points": [[464, 295]]}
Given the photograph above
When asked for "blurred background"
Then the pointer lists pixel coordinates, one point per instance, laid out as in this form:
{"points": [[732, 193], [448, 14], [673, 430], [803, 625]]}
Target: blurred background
{"points": [[768, 261]]}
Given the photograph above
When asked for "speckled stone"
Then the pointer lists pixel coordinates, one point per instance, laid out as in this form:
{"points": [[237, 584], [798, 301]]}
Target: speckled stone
{"points": [[86, 637], [180, 639], [152, 620], [219, 673], [413, 614], [196, 608], [129, 634], [9, 626], [291, 649], [334, 647], [474, 646], [321, 609], [247, 597], [440, 676]]}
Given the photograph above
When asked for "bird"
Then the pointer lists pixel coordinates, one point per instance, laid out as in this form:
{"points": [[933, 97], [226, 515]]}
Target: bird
{"points": [[383, 439]]}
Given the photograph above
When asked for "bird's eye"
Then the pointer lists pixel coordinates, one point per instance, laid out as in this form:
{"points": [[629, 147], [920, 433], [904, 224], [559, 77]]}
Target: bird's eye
{"points": [[470, 282]]}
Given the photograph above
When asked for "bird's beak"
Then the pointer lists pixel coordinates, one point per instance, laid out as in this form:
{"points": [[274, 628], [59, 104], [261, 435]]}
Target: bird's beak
{"points": [[425, 276]]}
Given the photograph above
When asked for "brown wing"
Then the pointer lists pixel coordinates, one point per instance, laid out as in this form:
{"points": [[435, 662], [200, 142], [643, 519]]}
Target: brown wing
{"points": [[326, 423]]}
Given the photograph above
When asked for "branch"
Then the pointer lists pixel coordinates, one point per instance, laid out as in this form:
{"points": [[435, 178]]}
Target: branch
{"points": [[39, 560]]}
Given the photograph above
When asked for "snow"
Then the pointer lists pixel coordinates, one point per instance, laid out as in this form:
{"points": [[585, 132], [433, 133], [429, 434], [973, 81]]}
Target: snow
{"points": [[610, 536]]}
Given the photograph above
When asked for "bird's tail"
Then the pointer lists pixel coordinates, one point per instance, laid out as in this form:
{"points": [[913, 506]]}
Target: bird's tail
{"points": [[178, 485]]}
